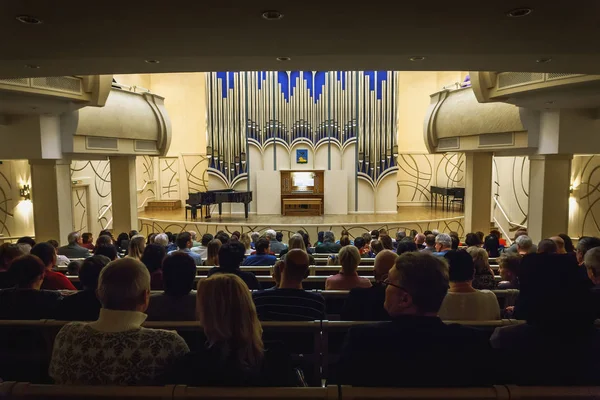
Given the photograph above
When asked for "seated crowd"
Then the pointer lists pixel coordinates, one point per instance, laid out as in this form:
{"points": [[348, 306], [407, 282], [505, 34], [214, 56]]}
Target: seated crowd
{"points": [[420, 281]]}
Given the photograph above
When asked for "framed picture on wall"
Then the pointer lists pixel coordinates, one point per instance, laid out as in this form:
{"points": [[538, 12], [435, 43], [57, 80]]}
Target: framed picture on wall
{"points": [[302, 156]]}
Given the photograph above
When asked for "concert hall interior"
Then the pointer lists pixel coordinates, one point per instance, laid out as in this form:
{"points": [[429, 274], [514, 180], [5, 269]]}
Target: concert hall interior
{"points": [[277, 128]]}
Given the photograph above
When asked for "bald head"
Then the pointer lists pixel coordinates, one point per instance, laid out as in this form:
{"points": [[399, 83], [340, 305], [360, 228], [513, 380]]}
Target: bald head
{"points": [[384, 261], [560, 244], [295, 268], [419, 239]]}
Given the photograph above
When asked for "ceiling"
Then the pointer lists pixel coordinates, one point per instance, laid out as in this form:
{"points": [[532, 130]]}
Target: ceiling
{"points": [[110, 36]]}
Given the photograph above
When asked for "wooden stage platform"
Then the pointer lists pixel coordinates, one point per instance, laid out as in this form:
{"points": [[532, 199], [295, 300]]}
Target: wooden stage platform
{"points": [[407, 218]]}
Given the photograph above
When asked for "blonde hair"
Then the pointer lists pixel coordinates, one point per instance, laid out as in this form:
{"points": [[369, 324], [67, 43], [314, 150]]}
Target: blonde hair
{"points": [[349, 259], [297, 242], [228, 316], [480, 260], [212, 252], [123, 284], [137, 244], [245, 240]]}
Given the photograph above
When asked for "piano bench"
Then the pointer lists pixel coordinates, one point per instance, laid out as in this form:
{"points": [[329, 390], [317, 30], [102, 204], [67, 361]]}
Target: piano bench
{"points": [[193, 211]]}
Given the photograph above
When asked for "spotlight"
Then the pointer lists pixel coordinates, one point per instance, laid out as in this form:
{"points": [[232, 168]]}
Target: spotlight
{"points": [[519, 12], [28, 19], [25, 192], [152, 61], [32, 66], [543, 60], [417, 58], [283, 58], [272, 15]]}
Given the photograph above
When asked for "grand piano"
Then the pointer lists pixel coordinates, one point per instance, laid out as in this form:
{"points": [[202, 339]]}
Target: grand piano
{"points": [[199, 199]]}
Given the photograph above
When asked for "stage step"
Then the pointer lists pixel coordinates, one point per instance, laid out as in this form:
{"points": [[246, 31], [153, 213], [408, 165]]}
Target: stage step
{"points": [[163, 205]]}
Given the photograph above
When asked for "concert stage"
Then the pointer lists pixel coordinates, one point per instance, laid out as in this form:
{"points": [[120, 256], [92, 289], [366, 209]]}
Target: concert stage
{"points": [[417, 217]]}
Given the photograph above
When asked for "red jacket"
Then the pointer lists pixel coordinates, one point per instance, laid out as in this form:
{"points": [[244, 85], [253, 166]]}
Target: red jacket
{"points": [[56, 281]]}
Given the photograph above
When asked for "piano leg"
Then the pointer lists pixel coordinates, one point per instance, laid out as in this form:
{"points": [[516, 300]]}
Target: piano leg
{"points": [[207, 211], [194, 212], [220, 209], [246, 206]]}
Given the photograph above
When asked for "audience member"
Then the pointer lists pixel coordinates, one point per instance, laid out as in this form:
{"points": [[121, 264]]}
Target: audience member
{"points": [[289, 301], [508, 267], [366, 304], [428, 232], [234, 353], [108, 250], [24, 247], [362, 247], [60, 259], [592, 264], [87, 241], [8, 253], [150, 238], [585, 244], [297, 242], [569, 248], [386, 242], [345, 241], [455, 242], [480, 235], [212, 253], [492, 245], [52, 280], [513, 248], [347, 278], [106, 232], [84, 305], [133, 233], [431, 352], [122, 242], [123, 291], [26, 300], [195, 243], [230, 258], [222, 236], [329, 245], [472, 240], [162, 239], [374, 234], [484, 276], [177, 302], [279, 236], [262, 256], [406, 246], [560, 244], [245, 240], [400, 235], [547, 246], [73, 268], [320, 236], [443, 244], [184, 243], [429, 244], [498, 235], [153, 257], [255, 236], [137, 244], [559, 344], [73, 249], [103, 240], [420, 241], [376, 247], [463, 302], [524, 245], [306, 239], [275, 246], [276, 274]]}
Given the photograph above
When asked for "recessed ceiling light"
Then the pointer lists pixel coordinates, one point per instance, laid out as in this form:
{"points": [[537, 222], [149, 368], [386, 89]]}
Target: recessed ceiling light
{"points": [[32, 66], [550, 102], [272, 15], [543, 60], [28, 19], [152, 61], [519, 12], [283, 59], [417, 58]]}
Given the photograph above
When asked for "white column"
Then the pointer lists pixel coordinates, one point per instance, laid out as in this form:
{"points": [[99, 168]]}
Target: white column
{"points": [[549, 183], [478, 192], [51, 197], [124, 193]]}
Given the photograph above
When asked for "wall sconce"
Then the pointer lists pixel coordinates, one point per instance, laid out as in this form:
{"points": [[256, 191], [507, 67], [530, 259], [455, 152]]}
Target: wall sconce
{"points": [[25, 192]]}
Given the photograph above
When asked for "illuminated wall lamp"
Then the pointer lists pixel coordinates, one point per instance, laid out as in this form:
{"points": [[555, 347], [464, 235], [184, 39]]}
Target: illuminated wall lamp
{"points": [[25, 192]]}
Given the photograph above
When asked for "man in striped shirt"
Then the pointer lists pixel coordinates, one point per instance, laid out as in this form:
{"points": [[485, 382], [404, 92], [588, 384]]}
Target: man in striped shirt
{"points": [[289, 301]]}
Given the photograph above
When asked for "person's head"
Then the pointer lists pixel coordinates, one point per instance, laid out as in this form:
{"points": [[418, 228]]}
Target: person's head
{"points": [[491, 243], [320, 236], [103, 240], [73, 268], [270, 234], [560, 244], [584, 245], [455, 242], [406, 246], [430, 240], [46, 253], [384, 261], [87, 238], [277, 268], [133, 233], [480, 235], [212, 252], [74, 238], [106, 232], [592, 264], [28, 272], [255, 236], [262, 246], [137, 244], [222, 236], [184, 240], [359, 242], [569, 247], [107, 250], [480, 260], [153, 257], [524, 244], [328, 236], [54, 243], [443, 242], [435, 232], [427, 232], [162, 239], [349, 259], [333, 259], [376, 246], [419, 239], [295, 269], [417, 285], [151, 238], [386, 241], [8, 253], [472, 240], [306, 239], [245, 240], [508, 267], [123, 240], [344, 241], [179, 271], [496, 232], [374, 234], [296, 242], [460, 266], [124, 285], [520, 232], [193, 235], [172, 237], [279, 236], [228, 316], [27, 240], [231, 255], [89, 273], [400, 235], [547, 246], [367, 238]]}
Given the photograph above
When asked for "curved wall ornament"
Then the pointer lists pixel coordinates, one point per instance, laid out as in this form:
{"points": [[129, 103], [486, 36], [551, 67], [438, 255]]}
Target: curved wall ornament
{"points": [[585, 204], [99, 174]]}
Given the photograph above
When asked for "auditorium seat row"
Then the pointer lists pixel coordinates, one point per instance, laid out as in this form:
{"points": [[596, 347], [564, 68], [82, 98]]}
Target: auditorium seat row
{"points": [[24, 390]]}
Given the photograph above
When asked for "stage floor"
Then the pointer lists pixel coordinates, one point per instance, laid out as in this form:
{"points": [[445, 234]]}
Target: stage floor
{"points": [[404, 214]]}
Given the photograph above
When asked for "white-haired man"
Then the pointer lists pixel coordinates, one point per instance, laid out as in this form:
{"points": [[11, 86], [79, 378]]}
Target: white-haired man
{"points": [[74, 248], [443, 244], [275, 245]]}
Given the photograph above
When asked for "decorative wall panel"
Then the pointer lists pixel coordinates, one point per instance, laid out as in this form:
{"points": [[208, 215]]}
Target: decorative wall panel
{"points": [[196, 172], [96, 175], [145, 180], [510, 188], [169, 177], [584, 205]]}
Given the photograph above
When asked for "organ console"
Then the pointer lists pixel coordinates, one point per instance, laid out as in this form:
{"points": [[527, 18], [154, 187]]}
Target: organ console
{"points": [[302, 192], [219, 197]]}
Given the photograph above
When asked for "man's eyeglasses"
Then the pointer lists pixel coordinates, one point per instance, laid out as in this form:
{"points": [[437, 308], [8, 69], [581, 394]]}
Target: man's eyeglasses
{"points": [[387, 282]]}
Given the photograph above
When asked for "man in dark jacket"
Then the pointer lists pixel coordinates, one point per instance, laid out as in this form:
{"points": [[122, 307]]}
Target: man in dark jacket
{"points": [[329, 245]]}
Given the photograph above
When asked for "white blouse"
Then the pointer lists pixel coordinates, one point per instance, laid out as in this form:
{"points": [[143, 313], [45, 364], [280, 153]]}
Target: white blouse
{"points": [[481, 305]]}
